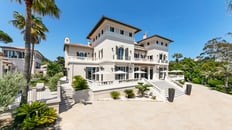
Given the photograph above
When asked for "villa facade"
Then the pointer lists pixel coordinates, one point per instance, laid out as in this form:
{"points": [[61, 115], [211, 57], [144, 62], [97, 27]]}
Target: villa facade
{"points": [[12, 60], [112, 55]]}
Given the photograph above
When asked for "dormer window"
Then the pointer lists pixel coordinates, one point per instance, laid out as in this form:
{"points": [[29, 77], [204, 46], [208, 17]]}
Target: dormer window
{"points": [[112, 29], [121, 32], [130, 34]]}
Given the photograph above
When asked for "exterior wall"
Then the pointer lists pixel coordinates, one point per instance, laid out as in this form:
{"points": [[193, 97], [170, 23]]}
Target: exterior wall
{"points": [[18, 61]]}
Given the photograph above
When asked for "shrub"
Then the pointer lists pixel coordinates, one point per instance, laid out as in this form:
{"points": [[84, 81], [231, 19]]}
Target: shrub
{"points": [[129, 93], [214, 82], [115, 94], [53, 81], [196, 80], [142, 88], [79, 83], [10, 85], [153, 97], [36, 114]]}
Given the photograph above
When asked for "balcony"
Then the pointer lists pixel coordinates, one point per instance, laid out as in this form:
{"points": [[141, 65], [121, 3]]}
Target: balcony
{"points": [[125, 60]]}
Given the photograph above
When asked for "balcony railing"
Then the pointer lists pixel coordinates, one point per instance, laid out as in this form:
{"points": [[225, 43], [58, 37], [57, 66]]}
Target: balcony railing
{"points": [[78, 58]]}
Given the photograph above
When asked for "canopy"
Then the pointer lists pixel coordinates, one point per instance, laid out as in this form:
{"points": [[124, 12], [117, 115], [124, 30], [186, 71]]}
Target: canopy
{"points": [[119, 72], [140, 72]]}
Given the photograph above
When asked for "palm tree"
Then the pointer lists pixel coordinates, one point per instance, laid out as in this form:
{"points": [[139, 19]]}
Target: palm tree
{"points": [[37, 30], [229, 5], [226, 70], [177, 56], [4, 37], [41, 7]]}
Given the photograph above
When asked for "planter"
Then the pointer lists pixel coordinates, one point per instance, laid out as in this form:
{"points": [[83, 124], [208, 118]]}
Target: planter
{"points": [[83, 95], [171, 94], [188, 89]]}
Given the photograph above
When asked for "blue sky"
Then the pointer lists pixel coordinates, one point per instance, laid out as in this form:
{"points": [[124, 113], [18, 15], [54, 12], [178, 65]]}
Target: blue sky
{"points": [[190, 23]]}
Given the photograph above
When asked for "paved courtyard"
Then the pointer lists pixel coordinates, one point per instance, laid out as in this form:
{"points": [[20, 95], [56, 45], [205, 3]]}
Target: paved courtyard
{"points": [[204, 110]]}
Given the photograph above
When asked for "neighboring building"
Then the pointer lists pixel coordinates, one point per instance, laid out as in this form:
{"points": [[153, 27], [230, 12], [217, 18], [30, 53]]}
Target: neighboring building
{"points": [[113, 55], [13, 59]]}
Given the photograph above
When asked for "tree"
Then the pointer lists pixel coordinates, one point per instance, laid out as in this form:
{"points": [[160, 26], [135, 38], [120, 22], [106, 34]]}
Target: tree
{"points": [[10, 85], [218, 49], [41, 7], [177, 56], [38, 30], [226, 70], [60, 60], [53, 68], [142, 88], [4, 37]]}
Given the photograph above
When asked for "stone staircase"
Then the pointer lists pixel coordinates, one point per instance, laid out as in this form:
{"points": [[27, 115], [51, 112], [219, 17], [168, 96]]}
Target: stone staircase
{"points": [[164, 85], [66, 98]]}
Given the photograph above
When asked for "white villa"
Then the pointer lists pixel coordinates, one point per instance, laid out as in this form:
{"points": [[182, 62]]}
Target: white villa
{"points": [[12, 60], [112, 55]]}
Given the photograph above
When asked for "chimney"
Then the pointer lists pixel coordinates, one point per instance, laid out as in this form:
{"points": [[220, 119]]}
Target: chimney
{"points": [[66, 40], [145, 35]]}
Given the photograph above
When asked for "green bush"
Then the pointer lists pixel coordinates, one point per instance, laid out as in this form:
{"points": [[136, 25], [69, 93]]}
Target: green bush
{"points": [[142, 88], [52, 84], [10, 85], [196, 80], [34, 115], [115, 94], [129, 93], [79, 83], [214, 82], [153, 97]]}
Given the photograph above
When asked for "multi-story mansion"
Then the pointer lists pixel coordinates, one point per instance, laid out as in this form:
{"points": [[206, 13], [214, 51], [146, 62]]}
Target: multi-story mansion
{"points": [[12, 59], [113, 55]]}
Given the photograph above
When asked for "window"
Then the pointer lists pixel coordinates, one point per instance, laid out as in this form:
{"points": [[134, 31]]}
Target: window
{"points": [[130, 34], [78, 54], [102, 32], [162, 43], [98, 34], [157, 42], [166, 44], [112, 29], [148, 43], [93, 40], [120, 53], [81, 54], [121, 32]]}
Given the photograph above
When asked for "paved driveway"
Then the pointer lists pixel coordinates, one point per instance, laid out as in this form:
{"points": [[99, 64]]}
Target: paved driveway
{"points": [[203, 110]]}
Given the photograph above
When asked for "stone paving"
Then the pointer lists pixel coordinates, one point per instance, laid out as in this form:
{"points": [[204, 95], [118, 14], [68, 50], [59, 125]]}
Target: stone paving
{"points": [[204, 110]]}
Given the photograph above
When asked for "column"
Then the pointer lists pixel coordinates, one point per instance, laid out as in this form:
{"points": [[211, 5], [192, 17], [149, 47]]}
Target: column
{"points": [[148, 72], [139, 73]]}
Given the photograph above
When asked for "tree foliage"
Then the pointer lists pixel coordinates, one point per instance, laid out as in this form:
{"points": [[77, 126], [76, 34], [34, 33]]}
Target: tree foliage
{"points": [[177, 56], [53, 68], [54, 80], [4, 37], [142, 88], [10, 85]]}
